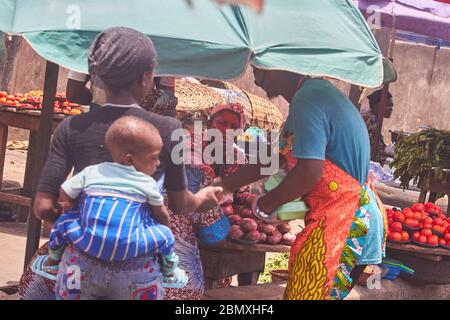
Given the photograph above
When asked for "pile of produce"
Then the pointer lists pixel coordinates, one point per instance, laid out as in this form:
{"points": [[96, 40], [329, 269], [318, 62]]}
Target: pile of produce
{"points": [[247, 229], [33, 101], [418, 153], [421, 224]]}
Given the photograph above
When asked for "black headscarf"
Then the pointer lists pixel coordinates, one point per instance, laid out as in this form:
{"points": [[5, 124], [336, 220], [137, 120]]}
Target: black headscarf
{"points": [[120, 55]]}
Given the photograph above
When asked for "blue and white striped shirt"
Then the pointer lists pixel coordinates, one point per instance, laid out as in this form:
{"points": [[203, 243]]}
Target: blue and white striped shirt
{"points": [[112, 226]]}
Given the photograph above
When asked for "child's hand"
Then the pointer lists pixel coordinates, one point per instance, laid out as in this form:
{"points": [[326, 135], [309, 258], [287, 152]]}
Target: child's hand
{"points": [[66, 205], [65, 201]]}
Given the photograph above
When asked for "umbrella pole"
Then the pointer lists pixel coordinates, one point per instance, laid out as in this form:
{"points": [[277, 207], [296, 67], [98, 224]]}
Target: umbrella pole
{"points": [[42, 147], [383, 102]]}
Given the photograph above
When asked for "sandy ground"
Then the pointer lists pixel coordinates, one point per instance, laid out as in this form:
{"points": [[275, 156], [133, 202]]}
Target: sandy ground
{"points": [[13, 235], [12, 244]]}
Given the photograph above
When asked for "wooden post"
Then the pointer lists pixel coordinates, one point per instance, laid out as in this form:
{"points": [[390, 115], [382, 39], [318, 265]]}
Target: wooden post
{"points": [[384, 95], [380, 119], [3, 141], [41, 152], [27, 190]]}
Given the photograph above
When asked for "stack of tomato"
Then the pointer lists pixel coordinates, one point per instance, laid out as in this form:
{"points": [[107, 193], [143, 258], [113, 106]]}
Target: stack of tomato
{"points": [[33, 100], [424, 224], [10, 100]]}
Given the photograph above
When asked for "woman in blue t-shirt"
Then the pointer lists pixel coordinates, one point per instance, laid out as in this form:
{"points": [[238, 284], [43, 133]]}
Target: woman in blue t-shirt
{"points": [[327, 147]]}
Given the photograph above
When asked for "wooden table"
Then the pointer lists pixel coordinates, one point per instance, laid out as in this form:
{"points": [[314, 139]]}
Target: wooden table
{"points": [[227, 259], [433, 254], [434, 187], [29, 122]]}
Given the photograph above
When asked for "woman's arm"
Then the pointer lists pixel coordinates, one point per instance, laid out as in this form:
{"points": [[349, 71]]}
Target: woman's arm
{"points": [[55, 171], [298, 182], [185, 201], [244, 176]]}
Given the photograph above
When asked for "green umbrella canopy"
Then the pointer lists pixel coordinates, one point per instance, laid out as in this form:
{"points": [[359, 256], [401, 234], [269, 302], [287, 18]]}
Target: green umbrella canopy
{"points": [[2, 45], [319, 38]]}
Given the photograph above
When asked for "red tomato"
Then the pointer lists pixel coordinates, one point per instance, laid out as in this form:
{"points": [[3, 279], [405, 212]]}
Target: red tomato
{"points": [[442, 242], [438, 221], [417, 215], [408, 214], [11, 97], [428, 225], [427, 220], [390, 221], [400, 217], [423, 239], [438, 229], [412, 223], [433, 240], [417, 207], [443, 216], [407, 211], [447, 237], [396, 236], [389, 212], [445, 224], [3, 94], [416, 236], [405, 236], [426, 232], [396, 227]]}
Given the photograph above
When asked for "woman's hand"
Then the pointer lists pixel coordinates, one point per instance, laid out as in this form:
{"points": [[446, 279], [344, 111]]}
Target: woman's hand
{"points": [[209, 198], [44, 207]]}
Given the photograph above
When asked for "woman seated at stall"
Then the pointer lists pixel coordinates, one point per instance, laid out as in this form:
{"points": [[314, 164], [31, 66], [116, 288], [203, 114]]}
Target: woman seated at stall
{"points": [[210, 227]]}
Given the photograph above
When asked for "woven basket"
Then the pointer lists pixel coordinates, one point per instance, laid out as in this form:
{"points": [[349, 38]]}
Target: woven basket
{"points": [[195, 100], [265, 115]]}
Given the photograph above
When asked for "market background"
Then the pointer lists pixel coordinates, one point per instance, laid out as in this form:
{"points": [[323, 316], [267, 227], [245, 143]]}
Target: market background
{"points": [[420, 93]]}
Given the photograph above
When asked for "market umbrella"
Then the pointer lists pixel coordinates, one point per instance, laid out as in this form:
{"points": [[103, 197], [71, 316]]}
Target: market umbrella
{"points": [[426, 17], [320, 38]]}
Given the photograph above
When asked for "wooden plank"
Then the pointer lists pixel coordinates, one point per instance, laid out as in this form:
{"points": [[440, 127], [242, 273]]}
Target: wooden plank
{"points": [[228, 245], [23, 120], [42, 148], [427, 256], [3, 142], [222, 264], [270, 291], [416, 249], [15, 199]]}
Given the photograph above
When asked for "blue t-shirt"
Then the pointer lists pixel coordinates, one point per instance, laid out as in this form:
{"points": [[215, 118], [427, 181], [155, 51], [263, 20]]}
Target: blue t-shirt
{"points": [[326, 125]]}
